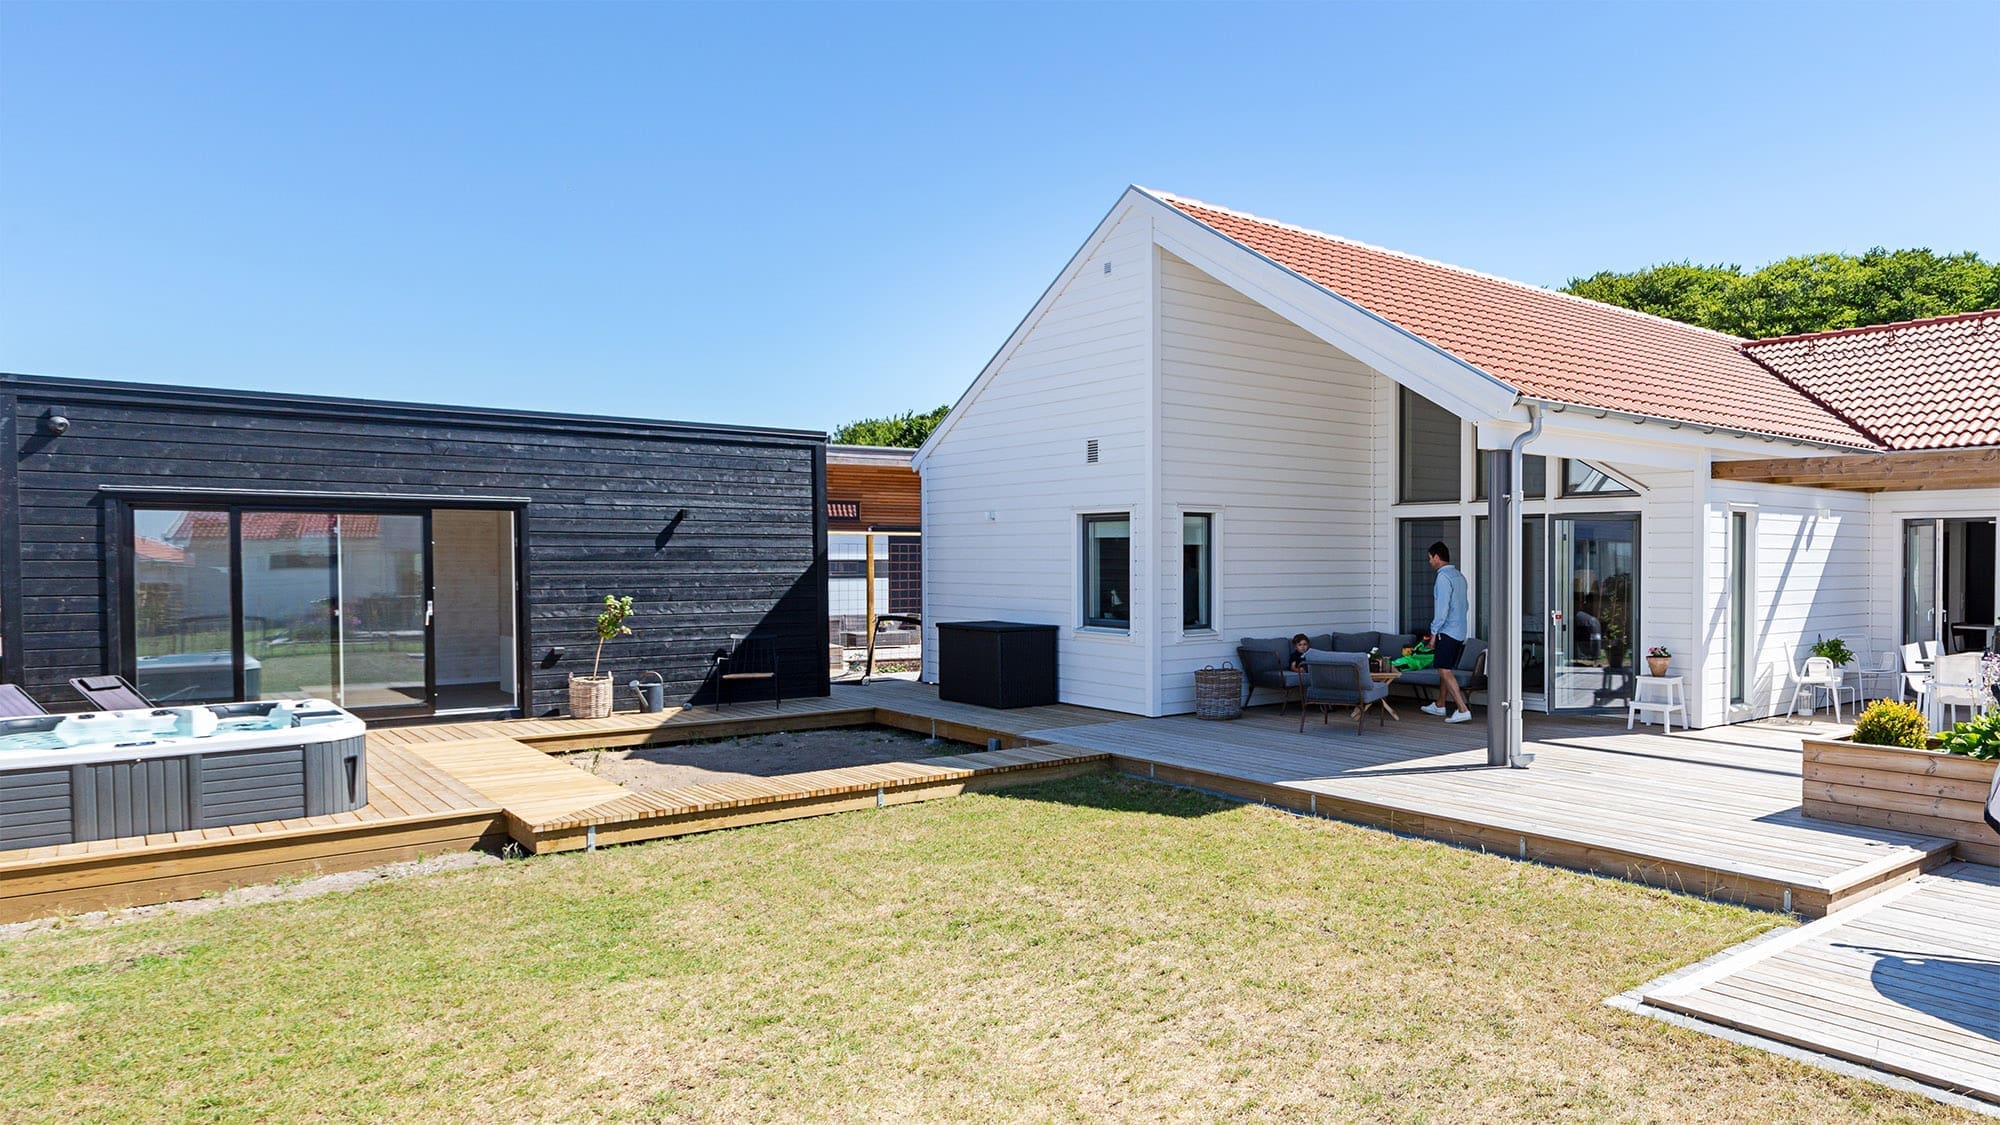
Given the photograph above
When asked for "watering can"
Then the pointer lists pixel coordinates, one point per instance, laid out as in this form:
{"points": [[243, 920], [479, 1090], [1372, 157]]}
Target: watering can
{"points": [[653, 696]]}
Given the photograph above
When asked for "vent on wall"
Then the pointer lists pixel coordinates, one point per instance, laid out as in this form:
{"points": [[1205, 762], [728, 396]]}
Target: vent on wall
{"points": [[1090, 452]]}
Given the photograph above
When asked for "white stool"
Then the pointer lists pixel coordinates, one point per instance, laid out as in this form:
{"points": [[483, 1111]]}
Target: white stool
{"points": [[1657, 695]]}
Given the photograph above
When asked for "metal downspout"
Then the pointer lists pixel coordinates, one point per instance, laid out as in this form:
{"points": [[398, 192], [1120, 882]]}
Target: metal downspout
{"points": [[1516, 498]]}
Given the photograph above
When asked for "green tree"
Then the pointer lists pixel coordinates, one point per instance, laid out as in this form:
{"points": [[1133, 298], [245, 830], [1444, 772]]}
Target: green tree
{"points": [[1808, 293], [905, 431]]}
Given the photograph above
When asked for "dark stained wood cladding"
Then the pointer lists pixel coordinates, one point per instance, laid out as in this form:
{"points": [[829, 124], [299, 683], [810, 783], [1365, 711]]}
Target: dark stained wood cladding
{"points": [[598, 517], [889, 495]]}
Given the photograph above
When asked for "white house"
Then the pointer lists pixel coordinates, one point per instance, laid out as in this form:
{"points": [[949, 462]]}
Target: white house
{"points": [[1214, 425]]}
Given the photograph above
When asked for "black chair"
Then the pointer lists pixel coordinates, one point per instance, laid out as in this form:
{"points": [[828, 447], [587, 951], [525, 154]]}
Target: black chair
{"points": [[752, 659], [111, 693], [18, 704]]}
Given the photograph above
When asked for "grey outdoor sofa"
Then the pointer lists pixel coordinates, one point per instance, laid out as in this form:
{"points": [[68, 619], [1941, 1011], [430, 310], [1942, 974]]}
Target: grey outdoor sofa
{"points": [[1470, 672], [1265, 659]]}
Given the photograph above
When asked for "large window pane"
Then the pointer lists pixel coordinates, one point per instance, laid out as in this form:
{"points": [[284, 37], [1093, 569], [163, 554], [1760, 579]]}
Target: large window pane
{"points": [[1534, 594], [1534, 476], [180, 601], [382, 635], [1197, 571], [1107, 571], [1418, 578], [1427, 449], [290, 588], [1739, 607]]}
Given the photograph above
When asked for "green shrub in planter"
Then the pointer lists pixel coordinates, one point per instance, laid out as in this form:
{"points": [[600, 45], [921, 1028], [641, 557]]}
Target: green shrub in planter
{"points": [[1889, 723], [1977, 738]]}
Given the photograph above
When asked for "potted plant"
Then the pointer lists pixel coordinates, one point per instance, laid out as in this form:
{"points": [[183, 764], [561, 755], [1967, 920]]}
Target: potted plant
{"points": [[590, 696], [1834, 649], [1656, 660]]}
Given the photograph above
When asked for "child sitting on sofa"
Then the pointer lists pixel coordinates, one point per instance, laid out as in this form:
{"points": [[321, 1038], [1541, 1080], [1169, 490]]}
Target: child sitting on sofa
{"points": [[1300, 646]]}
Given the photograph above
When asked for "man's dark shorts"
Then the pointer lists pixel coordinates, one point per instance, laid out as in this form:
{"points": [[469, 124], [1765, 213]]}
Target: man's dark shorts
{"points": [[1448, 650]]}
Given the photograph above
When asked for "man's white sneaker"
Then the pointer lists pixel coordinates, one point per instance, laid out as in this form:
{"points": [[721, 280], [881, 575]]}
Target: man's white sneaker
{"points": [[1433, 709], [1460, 717]]}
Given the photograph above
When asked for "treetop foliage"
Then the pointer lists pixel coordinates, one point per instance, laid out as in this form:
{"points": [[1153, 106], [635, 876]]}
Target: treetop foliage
{"points": [[1808, 293], [904, 431]]}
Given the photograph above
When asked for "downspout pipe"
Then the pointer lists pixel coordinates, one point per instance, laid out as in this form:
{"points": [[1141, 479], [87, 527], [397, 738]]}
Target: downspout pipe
{"points": [[1516, 497]]}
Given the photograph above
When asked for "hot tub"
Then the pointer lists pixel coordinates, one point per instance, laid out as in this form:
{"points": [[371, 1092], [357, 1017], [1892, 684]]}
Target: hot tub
{"points": [[105, 774]]}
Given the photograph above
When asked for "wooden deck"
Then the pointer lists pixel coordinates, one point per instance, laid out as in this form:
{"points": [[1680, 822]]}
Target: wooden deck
{"points": [[414, 809], [1907, 982], [1711, 812]]}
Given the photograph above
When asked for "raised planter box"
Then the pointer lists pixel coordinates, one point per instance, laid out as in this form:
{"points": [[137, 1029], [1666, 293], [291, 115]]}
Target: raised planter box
{"points": [[1908, 790]]}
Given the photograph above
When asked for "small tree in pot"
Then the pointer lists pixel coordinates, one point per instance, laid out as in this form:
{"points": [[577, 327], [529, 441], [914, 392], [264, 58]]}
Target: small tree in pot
{"points": [[590, 696]]}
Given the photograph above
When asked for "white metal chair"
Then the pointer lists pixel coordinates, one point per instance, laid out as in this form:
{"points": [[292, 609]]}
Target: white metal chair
{"points": [[1957, 681], [1887, 676], [1932, 649], [1819, 674], [1916, 670]]}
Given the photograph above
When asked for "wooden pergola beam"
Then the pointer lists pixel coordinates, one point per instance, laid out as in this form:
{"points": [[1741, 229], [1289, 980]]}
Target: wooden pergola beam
{"points": [[1912, 471]]}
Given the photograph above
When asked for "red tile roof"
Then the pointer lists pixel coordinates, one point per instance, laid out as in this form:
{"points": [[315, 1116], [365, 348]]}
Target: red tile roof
{"points": [[1920, 384], [276, 525], [156, 551], [1546, 344]]}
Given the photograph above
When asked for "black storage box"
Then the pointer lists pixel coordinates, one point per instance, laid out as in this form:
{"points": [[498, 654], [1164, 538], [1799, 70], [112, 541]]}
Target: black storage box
{"points": [[996, 663]]}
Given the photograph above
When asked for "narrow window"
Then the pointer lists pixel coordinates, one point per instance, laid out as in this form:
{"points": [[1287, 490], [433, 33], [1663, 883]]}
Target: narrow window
{"points": [[1427, 449], [1419, 580], [1107, 571], [1739, 608], [1197, 571], [1534, 476]]}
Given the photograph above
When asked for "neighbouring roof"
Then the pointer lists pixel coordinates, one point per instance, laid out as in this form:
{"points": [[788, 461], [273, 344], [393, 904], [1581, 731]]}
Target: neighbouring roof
{"points": [[1545, 344], [889, 455], [153, 550], [1920, 384], [276, 525]]}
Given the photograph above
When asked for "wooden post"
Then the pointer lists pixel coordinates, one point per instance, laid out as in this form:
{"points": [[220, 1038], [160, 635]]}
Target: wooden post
{"points": [[868, 547]]}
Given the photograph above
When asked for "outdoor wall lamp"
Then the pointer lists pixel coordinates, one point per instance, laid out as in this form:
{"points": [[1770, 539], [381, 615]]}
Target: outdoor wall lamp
{"points": [[57, 422]]}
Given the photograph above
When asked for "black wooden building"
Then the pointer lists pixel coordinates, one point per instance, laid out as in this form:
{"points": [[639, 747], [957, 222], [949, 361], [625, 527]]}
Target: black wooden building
{"points": [[404, 560]]}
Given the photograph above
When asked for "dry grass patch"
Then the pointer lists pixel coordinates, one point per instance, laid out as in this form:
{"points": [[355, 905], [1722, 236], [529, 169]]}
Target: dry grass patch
{"points": [[1096, 947]]}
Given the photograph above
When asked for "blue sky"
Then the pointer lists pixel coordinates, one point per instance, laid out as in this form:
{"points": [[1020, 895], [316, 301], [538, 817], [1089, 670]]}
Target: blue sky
{"points": [[797, 216]]}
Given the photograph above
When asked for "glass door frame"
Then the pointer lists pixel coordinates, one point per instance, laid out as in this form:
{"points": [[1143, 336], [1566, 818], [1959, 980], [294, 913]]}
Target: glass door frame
{"points": [[1550, 665], [120, 527], [1935, 630]]}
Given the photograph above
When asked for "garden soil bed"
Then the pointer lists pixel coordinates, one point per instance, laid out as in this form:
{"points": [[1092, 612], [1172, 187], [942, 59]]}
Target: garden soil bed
{"points": [[650, 768]]}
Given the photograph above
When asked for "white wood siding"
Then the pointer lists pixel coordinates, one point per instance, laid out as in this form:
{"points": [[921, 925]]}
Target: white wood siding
{"points": [[1888, 512], [1258, 424], [1810, 578], [1003, 492]]}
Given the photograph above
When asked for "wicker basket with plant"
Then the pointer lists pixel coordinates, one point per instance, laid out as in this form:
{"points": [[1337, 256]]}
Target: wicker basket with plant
{"points": [[590, 696]]}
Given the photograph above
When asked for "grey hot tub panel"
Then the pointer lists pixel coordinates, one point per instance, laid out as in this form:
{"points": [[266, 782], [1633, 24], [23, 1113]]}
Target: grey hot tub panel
{"points": [[108, 800]]}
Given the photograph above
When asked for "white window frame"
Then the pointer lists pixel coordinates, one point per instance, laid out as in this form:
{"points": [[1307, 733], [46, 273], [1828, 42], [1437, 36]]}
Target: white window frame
{"points": [[1214, 514], [1079, 527]]}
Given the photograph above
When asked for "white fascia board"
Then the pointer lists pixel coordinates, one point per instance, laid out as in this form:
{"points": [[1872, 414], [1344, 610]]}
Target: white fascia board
{"points": [[1021, 330], [1578, 432], [1405, 357]]}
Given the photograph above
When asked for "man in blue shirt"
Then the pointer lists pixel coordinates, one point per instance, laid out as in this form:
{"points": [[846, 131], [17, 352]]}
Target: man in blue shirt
{"points": [[1448, 633]]}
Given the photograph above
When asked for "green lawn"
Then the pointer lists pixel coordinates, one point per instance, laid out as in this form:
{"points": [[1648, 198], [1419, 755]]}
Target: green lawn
{"points": [[1090, 948]]}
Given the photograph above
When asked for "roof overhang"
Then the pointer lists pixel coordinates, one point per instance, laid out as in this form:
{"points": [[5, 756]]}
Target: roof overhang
{"points": [[1403, 356], [1919, 470]]}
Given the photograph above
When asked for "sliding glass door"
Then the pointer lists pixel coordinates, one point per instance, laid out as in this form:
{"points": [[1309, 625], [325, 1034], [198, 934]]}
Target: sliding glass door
{"points": [[260, 604]]}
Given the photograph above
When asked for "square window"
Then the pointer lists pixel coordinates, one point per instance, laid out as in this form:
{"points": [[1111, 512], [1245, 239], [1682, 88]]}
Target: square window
{"points": [[1428, 448]]}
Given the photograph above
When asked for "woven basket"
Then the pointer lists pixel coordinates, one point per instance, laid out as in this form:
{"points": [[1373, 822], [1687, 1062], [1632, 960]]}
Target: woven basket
{"points": [[1218, 693], [589, 697]]}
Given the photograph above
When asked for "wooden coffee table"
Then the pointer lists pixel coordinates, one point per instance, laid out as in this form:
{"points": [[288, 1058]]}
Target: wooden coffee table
{"points": [[1387, 676]]}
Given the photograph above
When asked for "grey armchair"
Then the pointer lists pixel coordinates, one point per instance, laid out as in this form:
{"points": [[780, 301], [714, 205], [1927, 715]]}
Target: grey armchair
{"points": [[1340, 679]]}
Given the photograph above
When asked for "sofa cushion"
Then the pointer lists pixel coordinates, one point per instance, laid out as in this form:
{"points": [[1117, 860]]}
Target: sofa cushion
{"points": [[1354, 642], [1323, 642]]}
